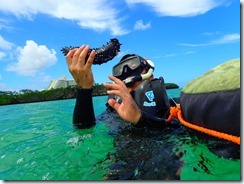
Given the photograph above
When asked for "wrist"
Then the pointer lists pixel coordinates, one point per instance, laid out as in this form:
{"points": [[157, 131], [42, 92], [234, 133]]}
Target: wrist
{"points": [[84, 88], [140, 122], [148, 120], [84, 85], [83, 91], [138, 117]]}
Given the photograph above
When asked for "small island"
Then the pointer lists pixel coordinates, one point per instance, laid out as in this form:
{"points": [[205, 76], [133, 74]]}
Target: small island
{"points": [[29, 96]]}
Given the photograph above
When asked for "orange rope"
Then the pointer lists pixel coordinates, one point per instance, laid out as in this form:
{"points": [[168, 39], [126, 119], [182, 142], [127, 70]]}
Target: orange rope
{"points": [[175, 112]]}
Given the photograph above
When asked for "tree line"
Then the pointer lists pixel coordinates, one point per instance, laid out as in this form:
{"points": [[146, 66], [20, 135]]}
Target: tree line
{"points": [[27, 95]]}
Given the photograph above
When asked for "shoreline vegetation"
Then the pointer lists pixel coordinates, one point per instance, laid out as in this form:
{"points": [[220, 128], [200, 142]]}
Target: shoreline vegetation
{"points": [[29, 96]]}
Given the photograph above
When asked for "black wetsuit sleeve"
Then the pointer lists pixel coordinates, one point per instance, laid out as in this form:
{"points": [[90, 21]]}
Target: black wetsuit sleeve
{"points": [[147, 120], [84, 116]]}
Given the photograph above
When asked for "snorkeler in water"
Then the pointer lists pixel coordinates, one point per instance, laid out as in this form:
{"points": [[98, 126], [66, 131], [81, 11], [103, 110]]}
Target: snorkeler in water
{"points": [[140, 99], [134, 94]]}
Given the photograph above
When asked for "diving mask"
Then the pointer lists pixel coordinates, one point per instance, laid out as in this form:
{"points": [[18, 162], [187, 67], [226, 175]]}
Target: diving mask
{"points": [[130, 67]]}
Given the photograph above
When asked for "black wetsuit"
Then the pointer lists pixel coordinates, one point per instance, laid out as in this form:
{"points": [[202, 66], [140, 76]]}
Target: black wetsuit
{"points": [[149, 161], [150, 96]]}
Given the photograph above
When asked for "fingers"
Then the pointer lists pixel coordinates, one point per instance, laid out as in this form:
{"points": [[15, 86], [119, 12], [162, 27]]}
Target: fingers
{"points": [[115, 89], [111, 86], [118, 88], [116, 80], [118, 84], [91, 58], [113, 104], [72, 56], [127, 109], [69, 56], [79, 55]]}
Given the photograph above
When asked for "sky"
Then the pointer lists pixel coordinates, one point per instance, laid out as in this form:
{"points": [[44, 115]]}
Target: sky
{"points": [[183, 38]]}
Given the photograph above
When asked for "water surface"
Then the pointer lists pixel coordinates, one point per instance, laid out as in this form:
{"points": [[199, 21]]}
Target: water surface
{"points": [[38, 142]]}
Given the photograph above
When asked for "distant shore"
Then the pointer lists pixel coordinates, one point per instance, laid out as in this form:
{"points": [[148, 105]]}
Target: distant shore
{"points": [[29, 96]]}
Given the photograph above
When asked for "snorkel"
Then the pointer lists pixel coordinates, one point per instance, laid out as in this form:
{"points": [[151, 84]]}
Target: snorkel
{"points": [[131, 80], [130, 69]]}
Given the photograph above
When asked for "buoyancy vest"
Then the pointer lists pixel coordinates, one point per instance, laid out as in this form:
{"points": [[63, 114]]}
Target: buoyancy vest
{"points": [[152, 98]]}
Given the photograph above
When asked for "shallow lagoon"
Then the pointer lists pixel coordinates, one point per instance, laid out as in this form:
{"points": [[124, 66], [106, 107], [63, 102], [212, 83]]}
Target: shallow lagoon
{"points": [[38, 142]]}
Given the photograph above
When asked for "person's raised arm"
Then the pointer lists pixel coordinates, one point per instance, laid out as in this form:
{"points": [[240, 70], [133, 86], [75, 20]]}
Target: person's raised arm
{"points": [[80, 69]]}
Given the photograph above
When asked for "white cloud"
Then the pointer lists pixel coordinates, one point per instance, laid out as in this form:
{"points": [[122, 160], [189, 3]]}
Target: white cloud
{"points": [[103, 15], [100, 15], [226, 39], [180, 8], [3, 24], [139, 25], [193, 44], [2, 55], [180, 53], [32, 59], [211, 33], [4, 44]]}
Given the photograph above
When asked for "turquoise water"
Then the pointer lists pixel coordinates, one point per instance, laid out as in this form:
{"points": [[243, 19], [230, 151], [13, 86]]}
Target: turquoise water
{"points": [[38, 142]]}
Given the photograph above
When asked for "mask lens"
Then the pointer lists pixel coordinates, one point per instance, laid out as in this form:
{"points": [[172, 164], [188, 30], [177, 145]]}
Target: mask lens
{"points": [[130, 63]]}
